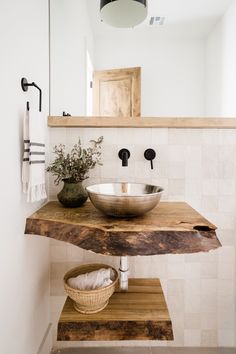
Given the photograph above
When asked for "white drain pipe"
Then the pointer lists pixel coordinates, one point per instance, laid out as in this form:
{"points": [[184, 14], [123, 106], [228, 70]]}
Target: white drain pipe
{"points": [[124, 272]]}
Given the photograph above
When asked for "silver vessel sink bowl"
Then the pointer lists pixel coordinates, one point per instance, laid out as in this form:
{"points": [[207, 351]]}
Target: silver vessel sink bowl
{"points": [[124, 199]]}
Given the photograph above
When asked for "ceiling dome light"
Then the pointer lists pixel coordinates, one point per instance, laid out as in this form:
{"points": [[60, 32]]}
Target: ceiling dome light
{"points": [[123, 13]]}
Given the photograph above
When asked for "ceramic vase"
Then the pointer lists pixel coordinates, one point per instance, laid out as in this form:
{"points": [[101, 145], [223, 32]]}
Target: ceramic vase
{"points": [[72, 195]]}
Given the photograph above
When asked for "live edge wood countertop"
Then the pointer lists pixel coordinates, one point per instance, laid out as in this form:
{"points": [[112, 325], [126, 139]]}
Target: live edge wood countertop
{"points": [[171, 227]]}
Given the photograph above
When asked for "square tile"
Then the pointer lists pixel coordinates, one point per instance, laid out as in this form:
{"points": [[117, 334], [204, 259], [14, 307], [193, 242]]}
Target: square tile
{"points": [[160, 136], [210, 187], [193, 153], [192, 321], [192, 337], [210, 137], [209, 338], [209, 321], [193, 170], [227, 186], [176, 170], [226, 338], [210, 203], [176, 187]]}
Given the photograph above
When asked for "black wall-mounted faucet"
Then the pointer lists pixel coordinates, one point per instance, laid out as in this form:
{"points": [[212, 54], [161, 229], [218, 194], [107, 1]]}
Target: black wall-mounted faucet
{"points": [[150, 155], [124, 155]]}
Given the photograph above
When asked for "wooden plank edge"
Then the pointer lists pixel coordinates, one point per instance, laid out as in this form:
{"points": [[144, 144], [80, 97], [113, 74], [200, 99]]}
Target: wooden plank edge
{"points": [[144, 122], [115, 330], [181, 241]]}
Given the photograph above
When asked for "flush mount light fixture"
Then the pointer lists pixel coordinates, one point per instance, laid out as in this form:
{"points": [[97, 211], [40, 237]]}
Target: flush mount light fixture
{"points": [[123, 13]]}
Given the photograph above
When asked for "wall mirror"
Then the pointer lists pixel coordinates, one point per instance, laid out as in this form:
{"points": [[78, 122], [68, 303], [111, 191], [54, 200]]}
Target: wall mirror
{"points": [[181, 47]]}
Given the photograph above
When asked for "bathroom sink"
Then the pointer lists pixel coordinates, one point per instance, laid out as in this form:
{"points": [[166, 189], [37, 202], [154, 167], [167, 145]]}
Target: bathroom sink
{"points": [[124, 199]]}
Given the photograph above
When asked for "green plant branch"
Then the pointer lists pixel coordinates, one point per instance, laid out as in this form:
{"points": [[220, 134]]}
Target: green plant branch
{"points": [[74, 166]]}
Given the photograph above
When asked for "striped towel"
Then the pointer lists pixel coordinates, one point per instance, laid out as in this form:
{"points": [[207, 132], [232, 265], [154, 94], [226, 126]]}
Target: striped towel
{"points": [[33, 167]]}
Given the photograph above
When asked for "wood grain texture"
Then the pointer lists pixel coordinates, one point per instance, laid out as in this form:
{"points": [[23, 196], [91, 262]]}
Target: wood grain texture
{"points": [[139, 314], [116, 92], [144, 122], [171, 227]]}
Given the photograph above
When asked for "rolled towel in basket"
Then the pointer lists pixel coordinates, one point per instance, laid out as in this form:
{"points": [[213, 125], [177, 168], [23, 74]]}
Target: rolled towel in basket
{"points": [[93, 280]]}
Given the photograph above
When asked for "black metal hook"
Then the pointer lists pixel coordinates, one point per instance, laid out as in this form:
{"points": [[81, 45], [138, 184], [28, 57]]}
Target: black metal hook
{"points": [[25, 85], [66, 114]]}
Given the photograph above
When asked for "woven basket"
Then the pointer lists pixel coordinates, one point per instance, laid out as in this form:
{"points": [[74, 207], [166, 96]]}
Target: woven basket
{"points": [[89, 301]]}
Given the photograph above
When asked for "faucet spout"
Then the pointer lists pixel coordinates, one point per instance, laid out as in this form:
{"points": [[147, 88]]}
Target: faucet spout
{"points": [[124, 155]]}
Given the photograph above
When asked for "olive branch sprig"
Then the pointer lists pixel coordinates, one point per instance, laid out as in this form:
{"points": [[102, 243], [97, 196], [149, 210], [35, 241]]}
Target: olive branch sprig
{"points": [[74, 166]]}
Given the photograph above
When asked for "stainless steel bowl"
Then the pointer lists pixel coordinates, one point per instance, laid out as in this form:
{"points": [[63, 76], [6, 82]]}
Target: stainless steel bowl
{"points": [[124, 199]]}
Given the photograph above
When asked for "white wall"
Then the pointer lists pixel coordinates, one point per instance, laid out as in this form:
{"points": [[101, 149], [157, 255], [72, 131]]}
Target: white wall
{"points": [[172, 76], [220, 65], [24, 289], [71, 36]]}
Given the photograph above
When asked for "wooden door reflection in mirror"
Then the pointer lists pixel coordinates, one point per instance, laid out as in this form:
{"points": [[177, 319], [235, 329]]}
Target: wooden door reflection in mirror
{"points": [[116, 93]]}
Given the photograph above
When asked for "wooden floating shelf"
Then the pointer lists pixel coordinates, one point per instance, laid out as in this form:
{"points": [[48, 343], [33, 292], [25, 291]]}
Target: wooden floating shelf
{"points": [[171, 227], [144, 122], [139, 314]]}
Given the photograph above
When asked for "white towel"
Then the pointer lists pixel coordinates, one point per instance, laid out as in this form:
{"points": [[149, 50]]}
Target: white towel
{"points": [[93, 280], [25, 164], [33, 168]]}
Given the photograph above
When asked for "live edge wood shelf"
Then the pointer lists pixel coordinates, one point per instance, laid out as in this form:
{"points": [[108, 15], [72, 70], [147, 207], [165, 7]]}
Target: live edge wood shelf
{"points": [[171, 227], [141, 313]]}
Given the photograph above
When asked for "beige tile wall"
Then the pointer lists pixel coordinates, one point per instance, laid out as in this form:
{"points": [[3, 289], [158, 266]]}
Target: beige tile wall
{"points": [[194, 165]]}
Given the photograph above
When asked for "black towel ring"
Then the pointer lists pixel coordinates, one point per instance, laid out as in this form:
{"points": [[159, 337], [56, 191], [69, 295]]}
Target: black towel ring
{"points": [[25, 85]]}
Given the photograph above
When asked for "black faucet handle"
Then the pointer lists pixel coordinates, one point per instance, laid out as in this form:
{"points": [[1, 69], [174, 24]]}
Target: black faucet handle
{"points": [[124, 155], [150, 155]]}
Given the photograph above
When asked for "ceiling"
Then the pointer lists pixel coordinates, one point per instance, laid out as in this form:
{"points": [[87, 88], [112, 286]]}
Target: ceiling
{"points": [[183, 18]]}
